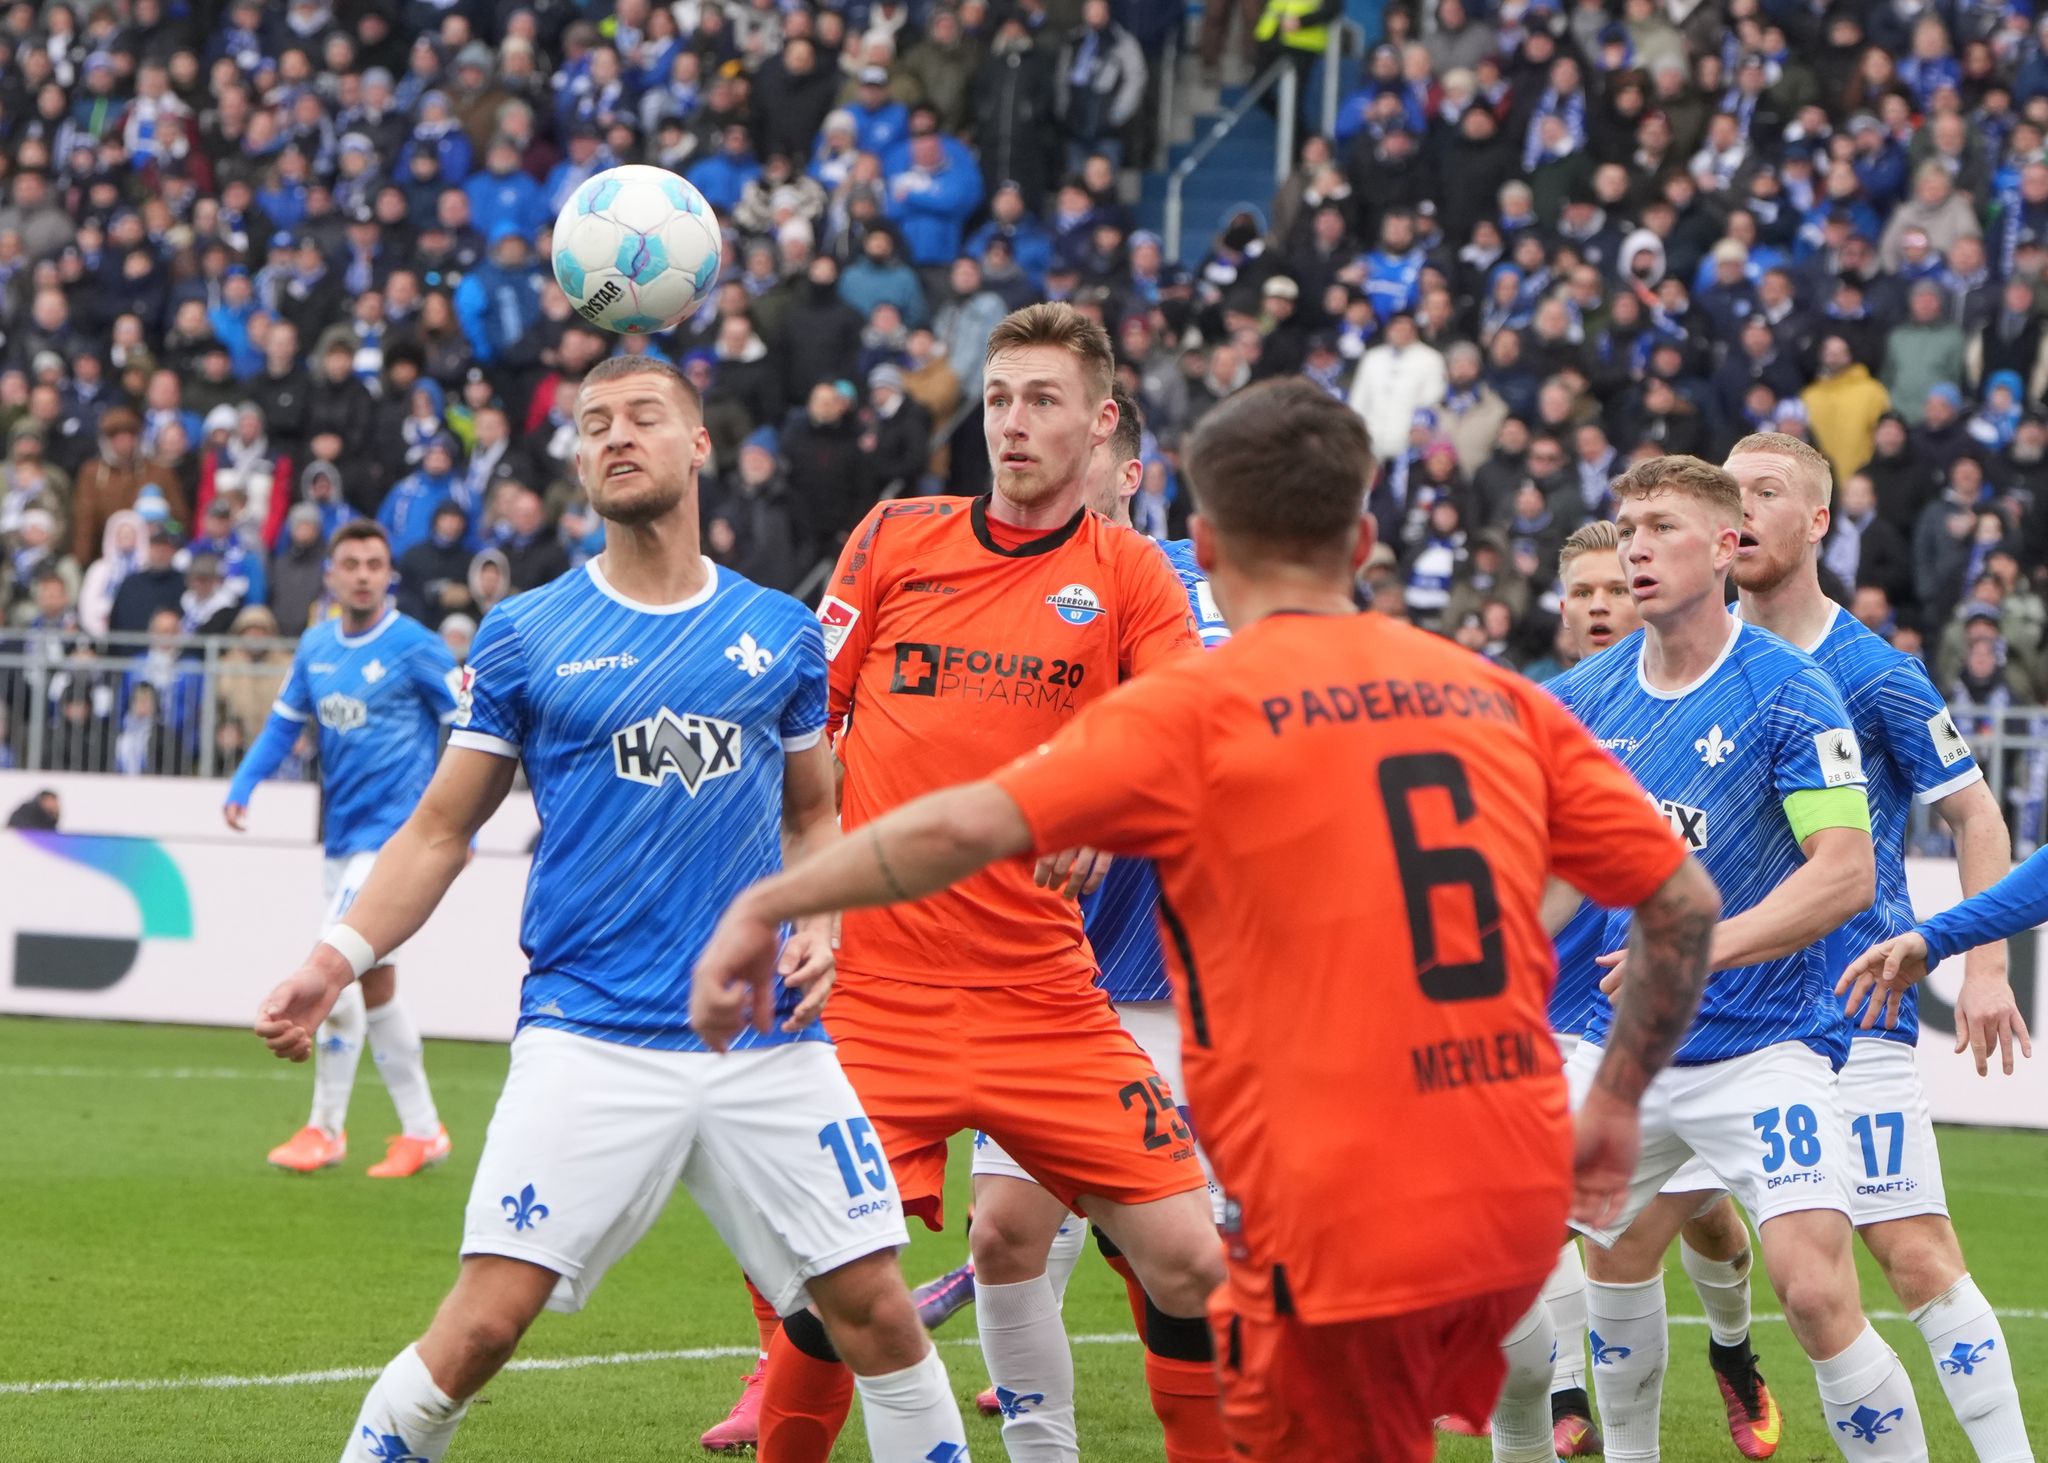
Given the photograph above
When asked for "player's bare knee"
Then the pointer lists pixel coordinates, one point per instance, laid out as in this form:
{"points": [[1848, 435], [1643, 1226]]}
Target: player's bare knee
{"points": [[875, 1329], [865, 1315], [1718, 1234], [470, 1342], [1014, 1225], [1182, 1276], [1822, 1307], [1920, 1256], [379, 986], [1628, 1261]]}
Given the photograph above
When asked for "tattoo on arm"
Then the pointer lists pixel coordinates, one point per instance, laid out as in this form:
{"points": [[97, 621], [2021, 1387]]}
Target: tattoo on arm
{"points": [[1667, 970], [902, 895]]}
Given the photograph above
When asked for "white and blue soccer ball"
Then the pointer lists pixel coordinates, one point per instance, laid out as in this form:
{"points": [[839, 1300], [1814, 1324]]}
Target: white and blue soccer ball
{"points": [[636, 249]]}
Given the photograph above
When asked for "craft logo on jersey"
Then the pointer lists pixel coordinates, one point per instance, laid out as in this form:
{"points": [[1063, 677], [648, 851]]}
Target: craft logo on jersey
{"points": [[750, 655], [1841, 760], [624, 662], [374, 672], [837, 618], [1688, 823], [1949, 745], [1713, 747], [690, 748], [1076, 604], [342, 713]]}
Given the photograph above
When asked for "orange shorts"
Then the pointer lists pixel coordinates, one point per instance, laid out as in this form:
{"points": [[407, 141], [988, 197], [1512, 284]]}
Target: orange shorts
{"points": [[1045, 1070], [1360, 1391]]}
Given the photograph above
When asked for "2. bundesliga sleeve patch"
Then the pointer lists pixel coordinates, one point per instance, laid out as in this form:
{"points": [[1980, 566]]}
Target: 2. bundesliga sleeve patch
{"points": [[1841, 760], [837, 617], [465, 693], [1949, 745]]}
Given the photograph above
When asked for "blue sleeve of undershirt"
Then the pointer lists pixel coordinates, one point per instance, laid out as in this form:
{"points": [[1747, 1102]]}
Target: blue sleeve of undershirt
{"points": [[272, 745], [2017, 902]]}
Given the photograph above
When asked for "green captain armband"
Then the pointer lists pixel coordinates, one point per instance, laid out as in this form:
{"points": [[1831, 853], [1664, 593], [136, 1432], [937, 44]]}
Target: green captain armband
{"points": [[1813, 808]]}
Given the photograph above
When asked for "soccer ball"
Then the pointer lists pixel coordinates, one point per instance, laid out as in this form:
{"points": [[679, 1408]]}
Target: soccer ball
{"points": [[636, 248]]}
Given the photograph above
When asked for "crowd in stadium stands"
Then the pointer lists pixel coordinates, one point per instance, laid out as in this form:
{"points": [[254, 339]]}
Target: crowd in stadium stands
{"points": [[264, 268]]}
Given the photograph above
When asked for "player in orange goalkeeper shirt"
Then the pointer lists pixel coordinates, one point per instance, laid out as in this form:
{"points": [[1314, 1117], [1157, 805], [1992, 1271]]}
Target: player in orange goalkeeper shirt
{"points": [[1353, 823]]}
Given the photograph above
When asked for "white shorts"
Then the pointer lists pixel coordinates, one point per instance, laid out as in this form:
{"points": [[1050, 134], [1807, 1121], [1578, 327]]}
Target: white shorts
{"points": [[1694, 1177], [1155, 1026], [1767, 1125], [589, 1138], [343, 879], [1894, 1169]]}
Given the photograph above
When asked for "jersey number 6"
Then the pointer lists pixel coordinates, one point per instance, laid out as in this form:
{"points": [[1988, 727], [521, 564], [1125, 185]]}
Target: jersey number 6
{"points": [[1424, 871]]}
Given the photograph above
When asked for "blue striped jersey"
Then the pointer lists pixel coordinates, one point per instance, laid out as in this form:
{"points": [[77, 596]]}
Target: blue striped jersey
{"points": [[378, 699], [1121, 918], [654, 737], [1578, 978], [1719, 758], [1911, 751], [2017, 902]]}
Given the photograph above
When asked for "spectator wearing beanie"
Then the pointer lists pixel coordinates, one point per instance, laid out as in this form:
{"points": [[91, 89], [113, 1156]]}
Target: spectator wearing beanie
{"points": [[899, 435], [752, 527]]}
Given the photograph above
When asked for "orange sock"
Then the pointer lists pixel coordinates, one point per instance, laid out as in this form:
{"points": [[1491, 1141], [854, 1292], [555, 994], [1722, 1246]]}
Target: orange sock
{"points": [[1133, 1292], [765, 1319], [803, 1404], [1184, 1395]]}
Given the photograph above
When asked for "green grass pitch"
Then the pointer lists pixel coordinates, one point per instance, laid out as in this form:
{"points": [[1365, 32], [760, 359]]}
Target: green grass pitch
{"points": [[142, 1239]]}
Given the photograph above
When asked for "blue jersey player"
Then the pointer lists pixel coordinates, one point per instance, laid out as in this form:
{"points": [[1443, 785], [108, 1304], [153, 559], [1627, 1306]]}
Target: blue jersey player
{"points": [[1598, 613], [1746, 746], [374, 686], [1912, 753], [669, 716]]}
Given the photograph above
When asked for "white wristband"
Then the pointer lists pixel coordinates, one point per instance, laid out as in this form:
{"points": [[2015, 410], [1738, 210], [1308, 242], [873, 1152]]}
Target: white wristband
{"points": [[351, 947]]}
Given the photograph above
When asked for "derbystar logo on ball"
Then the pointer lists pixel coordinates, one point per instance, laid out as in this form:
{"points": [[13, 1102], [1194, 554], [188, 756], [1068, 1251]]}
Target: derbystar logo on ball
{"points": [[636, 249]]}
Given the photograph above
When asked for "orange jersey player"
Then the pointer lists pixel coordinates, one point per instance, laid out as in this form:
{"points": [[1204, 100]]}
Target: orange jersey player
{"points": [[960, 633], [1354, 824]]}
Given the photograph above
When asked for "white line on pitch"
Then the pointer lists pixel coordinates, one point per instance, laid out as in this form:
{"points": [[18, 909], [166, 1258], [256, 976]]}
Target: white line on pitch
{"points": [[365, 1373], [630, 1358], [154, 1074], [209, 1074]]}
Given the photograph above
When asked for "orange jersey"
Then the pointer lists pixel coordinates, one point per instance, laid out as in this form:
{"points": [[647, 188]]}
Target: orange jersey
{"points": [[951, 655], [1354, 822]]}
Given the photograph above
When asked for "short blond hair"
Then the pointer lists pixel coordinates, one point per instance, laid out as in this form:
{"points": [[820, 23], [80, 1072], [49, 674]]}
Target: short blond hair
{"points": [[1598, 536], [1813, 467], [1688, 477], [1056, 323]]}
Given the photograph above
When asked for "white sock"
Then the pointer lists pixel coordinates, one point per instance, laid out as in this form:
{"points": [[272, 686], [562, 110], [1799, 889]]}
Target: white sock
{"points": [[1868, 1401], [911, 1415], [401, 1062], [1032, 1367], [405, 1415], [337, 1047], [1976, 1371], [1626, 1329], [1723, 1288], [1564, 1293], [1521, 1419], [1065, 1254]]}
